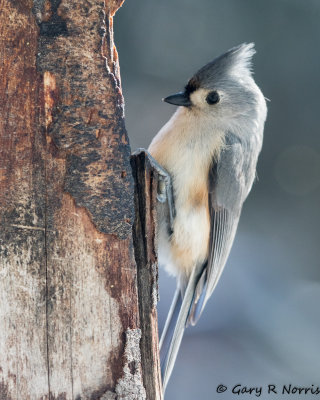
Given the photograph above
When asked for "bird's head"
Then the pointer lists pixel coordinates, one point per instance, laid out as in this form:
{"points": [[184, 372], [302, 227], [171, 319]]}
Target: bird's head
{"points": [[223, 88]]}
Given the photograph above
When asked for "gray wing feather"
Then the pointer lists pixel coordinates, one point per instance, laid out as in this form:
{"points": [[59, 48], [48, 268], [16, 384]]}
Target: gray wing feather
{"points": [[230, 181]]}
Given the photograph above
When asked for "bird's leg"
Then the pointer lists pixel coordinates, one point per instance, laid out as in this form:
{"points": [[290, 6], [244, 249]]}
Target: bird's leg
{"points": [[165, 188]]}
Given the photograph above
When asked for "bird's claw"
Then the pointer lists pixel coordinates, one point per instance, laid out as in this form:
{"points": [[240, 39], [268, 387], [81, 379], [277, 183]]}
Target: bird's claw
{"points": [[165, 189]]}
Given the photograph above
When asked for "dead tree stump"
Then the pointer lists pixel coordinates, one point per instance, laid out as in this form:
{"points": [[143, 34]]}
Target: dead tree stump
{"points": [[69, 301]]}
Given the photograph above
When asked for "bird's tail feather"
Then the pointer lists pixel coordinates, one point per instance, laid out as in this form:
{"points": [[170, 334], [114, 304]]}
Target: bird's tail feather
{"points": [[174, 328], [198, 301], [168, 329]]}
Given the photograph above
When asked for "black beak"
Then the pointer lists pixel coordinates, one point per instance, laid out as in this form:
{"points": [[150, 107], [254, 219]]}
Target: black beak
{"points": [[179, 99]]}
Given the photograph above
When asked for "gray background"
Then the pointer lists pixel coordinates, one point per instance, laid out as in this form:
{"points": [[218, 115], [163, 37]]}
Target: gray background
{"points": [[262, 323]]}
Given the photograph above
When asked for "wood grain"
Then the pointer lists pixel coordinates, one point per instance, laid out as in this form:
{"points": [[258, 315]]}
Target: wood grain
{"points": [[23, 339]]}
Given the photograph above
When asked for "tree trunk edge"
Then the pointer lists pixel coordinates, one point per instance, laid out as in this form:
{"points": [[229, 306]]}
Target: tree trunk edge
{"points": [[145, 246]]}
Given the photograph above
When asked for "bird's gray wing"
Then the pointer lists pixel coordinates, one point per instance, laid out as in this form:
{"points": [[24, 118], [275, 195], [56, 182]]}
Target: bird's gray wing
{"points": [[230, 181]]}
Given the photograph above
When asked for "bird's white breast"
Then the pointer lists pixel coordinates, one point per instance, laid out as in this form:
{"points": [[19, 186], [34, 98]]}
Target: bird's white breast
{"points": [[178, 149]]}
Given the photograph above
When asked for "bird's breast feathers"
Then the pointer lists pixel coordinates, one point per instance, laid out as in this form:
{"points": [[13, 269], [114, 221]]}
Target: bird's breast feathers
{"points": [[176, 148]]}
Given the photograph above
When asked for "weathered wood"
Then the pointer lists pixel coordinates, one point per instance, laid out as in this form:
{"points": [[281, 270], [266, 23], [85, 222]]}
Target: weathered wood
{"points": [[145, 244], [23, 336], [69, 316]]}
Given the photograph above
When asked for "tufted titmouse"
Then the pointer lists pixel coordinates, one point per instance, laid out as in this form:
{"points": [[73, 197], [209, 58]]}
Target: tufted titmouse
{"points": [[207, 154]]}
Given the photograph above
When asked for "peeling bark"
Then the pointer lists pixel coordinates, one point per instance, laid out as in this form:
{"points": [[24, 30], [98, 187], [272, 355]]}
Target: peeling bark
{"points": [[69, 310]]}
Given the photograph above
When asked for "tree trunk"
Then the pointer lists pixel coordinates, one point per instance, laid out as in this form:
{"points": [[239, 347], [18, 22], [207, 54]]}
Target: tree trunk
{"points": [[69, 304]]}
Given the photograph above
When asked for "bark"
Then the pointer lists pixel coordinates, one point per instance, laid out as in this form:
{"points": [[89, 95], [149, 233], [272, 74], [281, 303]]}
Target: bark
{"points": [[69, 308], [145, 244]]}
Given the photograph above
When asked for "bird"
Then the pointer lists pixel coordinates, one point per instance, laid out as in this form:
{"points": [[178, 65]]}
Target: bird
{"points": [[207, 152]]}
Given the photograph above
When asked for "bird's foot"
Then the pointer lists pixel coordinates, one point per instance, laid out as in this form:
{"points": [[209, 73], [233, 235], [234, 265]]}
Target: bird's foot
{"points": [[165, 188]]}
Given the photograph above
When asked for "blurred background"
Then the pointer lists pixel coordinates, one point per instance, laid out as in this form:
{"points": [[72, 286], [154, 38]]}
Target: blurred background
{"points": [[262, 324]]}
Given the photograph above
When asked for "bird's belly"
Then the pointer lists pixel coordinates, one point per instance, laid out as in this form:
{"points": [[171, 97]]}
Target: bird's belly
{"points": [[188, 245]]}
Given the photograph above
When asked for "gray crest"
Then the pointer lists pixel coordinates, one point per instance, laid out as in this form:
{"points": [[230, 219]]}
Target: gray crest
{"points": [[236, 61]]}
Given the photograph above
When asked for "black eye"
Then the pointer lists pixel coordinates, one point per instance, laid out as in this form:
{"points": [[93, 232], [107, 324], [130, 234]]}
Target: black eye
{"points": [[213, 98]]}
